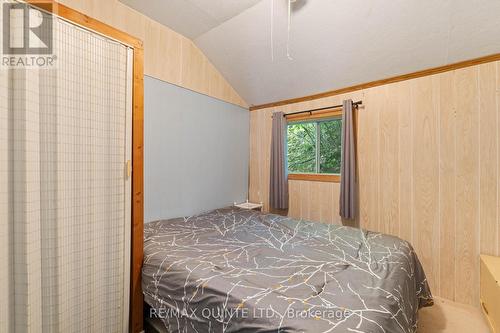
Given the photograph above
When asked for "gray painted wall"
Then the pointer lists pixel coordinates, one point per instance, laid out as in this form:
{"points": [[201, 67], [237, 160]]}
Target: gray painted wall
{"points": [[196, 152]]}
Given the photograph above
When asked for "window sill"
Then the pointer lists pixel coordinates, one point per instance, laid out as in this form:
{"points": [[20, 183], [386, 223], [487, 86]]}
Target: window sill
{"points": [[315, 177]]}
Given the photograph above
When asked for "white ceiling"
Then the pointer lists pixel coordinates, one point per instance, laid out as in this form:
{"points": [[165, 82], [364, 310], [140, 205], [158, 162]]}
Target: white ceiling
{"points": [[190, 18], [339, 43]]}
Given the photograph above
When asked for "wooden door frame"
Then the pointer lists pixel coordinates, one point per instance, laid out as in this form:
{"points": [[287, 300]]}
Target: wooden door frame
{"points": [[137, 225]]}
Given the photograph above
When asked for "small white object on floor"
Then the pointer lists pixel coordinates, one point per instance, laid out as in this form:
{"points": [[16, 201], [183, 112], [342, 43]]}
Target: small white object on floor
{"points": [[249, 205]]}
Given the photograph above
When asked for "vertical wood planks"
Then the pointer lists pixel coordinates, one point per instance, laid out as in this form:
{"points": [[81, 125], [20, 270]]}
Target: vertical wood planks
{"points": [[265, 137], [425, 175], [168, 46], [488, 149], [467, 186], [498, 153], [305, 205], [314, 201], [255, 158], [428, 155], [260, 155], [389, 161], [193, 70], [328, 203], [405, 218], [336, 204], [168, 55], [447, 178], [294, 199], [368, 161]]}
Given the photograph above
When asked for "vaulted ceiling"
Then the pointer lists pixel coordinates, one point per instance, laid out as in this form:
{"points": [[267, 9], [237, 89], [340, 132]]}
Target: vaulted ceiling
{"points": [[333, 43], [191, 18]]}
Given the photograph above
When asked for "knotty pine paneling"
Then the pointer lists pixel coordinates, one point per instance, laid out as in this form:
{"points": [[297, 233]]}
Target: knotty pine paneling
{"points": [[428, 151], [168, 55]]}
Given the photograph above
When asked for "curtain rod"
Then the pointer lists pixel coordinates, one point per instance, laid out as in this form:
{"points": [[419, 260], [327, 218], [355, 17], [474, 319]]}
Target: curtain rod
{"points": [[355, 104]]}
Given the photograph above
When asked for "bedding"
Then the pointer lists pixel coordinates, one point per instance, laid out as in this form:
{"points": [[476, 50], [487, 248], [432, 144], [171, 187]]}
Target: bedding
{"points": [[234, 270]]}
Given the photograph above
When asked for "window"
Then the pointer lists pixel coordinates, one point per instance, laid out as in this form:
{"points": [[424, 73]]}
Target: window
{"points": [[314, 147]]}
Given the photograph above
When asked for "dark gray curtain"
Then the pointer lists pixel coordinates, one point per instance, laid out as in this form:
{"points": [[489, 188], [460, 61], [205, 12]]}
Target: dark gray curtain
{"points": [[348, 188], [278, 196]]}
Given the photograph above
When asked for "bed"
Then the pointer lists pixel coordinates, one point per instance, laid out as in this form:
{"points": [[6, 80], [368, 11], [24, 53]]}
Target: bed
{"points": [[235, 270]]}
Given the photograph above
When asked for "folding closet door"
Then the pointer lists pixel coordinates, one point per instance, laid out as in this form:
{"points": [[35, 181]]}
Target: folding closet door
{"points": [[5, 268], [64, 187]]}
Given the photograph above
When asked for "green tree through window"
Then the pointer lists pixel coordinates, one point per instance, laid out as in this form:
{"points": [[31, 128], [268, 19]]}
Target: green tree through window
{"points": [[314, 146]]}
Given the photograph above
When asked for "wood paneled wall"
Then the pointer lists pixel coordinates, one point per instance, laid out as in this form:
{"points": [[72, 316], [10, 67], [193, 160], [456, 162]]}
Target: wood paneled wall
{"points": [[315, 201], [168, 56], [428, 163]]}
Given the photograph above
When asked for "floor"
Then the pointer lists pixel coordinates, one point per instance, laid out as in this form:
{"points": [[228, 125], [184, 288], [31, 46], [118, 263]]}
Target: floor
{"points": [[448, 317], [443, 317]]}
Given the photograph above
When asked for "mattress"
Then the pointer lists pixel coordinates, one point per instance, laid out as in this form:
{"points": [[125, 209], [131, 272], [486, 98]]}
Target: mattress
{"points": [[234, 270]]}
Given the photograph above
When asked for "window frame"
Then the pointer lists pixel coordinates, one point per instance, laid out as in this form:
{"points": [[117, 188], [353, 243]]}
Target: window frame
{"points": [[314, 118]]}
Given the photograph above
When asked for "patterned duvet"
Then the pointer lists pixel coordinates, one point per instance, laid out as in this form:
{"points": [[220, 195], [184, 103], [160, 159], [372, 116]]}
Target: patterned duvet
{"points": [[233, 270]]}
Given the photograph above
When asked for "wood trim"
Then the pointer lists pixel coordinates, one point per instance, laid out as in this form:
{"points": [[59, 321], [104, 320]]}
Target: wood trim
{"points": [[136, 297], [315, 177], [404, 77], [86, 21], [315, 116], [137, 243]]}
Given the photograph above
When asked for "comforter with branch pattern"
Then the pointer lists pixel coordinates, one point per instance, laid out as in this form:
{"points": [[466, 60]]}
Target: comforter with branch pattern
{"points": [[233, 270]]}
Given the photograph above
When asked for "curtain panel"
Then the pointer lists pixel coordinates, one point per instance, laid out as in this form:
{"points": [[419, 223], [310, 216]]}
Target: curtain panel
{"points": [[278, 196], [348, 190]]}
